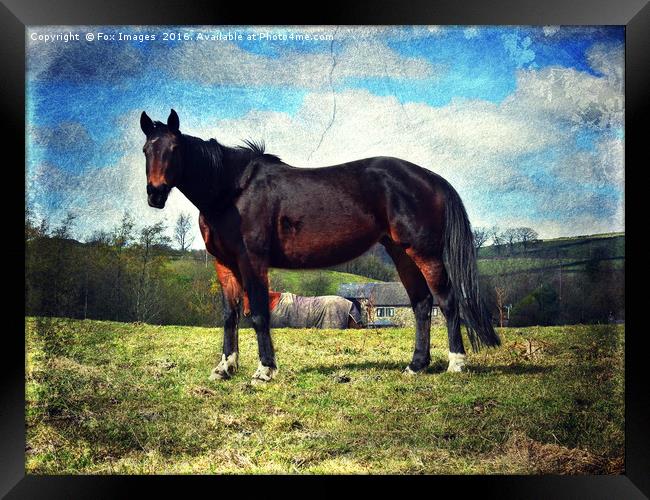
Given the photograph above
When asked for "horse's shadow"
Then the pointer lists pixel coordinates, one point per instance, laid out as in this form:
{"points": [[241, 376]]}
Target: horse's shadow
{"points": [[511, 369], [437, 366], [434, 367]]}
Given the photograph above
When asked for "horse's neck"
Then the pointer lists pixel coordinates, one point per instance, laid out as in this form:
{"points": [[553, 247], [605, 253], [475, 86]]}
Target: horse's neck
{"points": [[206, 183]]}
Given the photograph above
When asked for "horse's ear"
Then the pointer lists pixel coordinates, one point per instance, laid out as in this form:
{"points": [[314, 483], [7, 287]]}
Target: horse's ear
{"points": [[173, 122], [146, 124]]}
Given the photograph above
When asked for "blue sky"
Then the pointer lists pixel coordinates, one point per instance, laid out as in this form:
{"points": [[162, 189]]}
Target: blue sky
{"points": [[526, 122]]}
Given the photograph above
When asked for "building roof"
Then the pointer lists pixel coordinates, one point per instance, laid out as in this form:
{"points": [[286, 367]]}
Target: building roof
{"points": [[380, 294]]}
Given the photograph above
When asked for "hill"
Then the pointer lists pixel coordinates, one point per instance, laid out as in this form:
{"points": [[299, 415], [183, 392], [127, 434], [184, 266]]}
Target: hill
{"points": [[301, 282], [573, 254]]}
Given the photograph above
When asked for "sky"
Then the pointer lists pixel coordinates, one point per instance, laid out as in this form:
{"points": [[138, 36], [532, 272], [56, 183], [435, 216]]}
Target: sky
{"points": [[527, 123]]}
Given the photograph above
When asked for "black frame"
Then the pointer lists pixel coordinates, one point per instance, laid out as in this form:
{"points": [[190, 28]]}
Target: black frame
{"points": [[15, 15]]}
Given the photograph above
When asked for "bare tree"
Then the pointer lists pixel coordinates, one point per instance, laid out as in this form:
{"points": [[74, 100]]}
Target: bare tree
{"points": [[495, 235], [43, 228], [511, 238], [481, 236], [182, 232], [526, 235], [64, 230], [501, 296]]}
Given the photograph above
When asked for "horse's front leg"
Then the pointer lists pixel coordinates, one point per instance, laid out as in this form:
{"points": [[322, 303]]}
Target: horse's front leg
{"points": [[257, 289], [232, 292]]}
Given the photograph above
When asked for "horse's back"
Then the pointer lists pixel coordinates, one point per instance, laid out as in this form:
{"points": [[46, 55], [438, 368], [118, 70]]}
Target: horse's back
{"points": [[349, 207]]}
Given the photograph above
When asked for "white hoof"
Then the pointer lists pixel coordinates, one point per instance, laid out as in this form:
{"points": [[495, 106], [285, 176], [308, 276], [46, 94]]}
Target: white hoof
{"points": [[410, 373], [226, 368], [456, 362], [263, 374]]}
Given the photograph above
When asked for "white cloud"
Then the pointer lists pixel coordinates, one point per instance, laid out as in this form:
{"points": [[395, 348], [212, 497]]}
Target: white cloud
{"points": [[360, 56], [609, 60], [518, 48], [477, 145], [575, 96]]}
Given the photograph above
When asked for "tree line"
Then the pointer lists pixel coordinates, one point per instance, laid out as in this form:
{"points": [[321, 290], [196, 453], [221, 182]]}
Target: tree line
{"points": [[139, 273], [505, 241], [129, 273]]}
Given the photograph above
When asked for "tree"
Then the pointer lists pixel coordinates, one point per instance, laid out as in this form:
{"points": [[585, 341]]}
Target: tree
{"points": [[123, 233], [500, 294], [481, 235], [540, 307], [496, 236], [64, 230], [121, 237], [511, 237], [526, 234], [182, 232], [31, 229], [64, 268], [147, 294]]}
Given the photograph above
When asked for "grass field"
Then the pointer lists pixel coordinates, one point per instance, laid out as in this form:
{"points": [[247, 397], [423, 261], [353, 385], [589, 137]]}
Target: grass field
{"points": [[572, 248], [108, 397], [294, 280]]}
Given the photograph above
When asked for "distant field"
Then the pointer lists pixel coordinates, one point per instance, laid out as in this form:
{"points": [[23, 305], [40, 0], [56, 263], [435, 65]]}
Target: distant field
{"points": [[570, 253], [297, 281], [573, 248], [513, 265], [107, 397]]}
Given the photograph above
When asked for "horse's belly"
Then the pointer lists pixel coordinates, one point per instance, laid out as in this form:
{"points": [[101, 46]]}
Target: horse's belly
{"points": [[322, 246]]}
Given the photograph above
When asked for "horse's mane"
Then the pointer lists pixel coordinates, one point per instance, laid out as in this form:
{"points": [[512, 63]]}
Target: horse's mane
{"points": [[213, 150], [258, 148], [209, 151]]}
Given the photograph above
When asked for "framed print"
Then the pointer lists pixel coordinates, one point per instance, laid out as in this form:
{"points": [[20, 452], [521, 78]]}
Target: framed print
{"points": [[387, 241]]}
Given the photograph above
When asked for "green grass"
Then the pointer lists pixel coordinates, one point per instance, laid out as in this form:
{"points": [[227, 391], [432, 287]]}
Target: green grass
{"points": [[107, 397], [571, 248], [296, 281]]}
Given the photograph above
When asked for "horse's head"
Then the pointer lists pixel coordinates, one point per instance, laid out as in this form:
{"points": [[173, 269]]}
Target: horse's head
{"points": [[162, 152]]}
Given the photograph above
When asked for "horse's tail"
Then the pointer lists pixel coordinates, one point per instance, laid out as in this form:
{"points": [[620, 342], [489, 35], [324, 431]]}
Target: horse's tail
{"points": [[459, 257]]}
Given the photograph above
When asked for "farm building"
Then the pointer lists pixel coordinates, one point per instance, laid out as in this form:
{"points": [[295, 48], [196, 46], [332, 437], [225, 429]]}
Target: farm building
{"points": [[384, 304]]}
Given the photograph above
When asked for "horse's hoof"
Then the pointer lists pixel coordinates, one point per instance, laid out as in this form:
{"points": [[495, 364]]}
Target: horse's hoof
{"points": [[217, 375], [226, 368], [408, 371], [263, 374], [456, 362]]}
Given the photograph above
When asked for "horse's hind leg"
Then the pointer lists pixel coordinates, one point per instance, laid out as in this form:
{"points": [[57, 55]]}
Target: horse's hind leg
{"points": [[449, 308], [436, 277], [421, 302]]}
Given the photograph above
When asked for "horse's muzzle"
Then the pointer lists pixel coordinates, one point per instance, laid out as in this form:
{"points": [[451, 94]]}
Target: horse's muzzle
{"points": [[157, 196]]}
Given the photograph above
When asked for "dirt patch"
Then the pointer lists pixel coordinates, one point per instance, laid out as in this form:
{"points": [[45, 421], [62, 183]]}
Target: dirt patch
{"points": [[202, 392], [545, 458]]}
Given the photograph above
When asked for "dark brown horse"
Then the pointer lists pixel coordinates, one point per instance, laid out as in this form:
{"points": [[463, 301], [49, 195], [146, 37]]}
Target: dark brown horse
{"points": [[257, 212]]}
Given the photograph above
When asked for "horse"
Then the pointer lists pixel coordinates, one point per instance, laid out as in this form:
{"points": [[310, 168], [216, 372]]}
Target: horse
{"points": [[257, 212]]}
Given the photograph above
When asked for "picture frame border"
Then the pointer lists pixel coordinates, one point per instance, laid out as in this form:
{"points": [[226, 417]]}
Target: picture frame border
{"points": [[16, 15]]}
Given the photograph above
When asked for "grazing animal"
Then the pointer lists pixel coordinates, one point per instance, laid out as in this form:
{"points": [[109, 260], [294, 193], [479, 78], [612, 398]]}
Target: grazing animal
{"points": [[257, 212]]}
